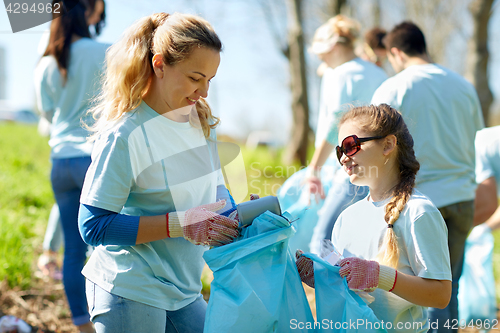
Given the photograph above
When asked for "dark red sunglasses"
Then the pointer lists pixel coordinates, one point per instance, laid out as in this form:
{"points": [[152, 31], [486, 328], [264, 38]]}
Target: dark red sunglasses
{"points": [[352, 144]]}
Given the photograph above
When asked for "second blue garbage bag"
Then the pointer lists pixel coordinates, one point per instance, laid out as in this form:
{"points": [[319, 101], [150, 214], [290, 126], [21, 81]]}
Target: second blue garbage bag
{"points": [[302, 206], [339, 309], [476, 291], [256, 287]]}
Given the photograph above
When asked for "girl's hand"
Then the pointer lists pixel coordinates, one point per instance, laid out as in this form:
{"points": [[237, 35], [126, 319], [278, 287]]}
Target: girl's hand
{"points": [[367, 275], [305, 267]]}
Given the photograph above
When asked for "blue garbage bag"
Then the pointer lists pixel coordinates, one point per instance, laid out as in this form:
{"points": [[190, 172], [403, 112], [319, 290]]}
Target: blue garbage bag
{"points": [[339, 309], [476, 291], [256, 286], [294, 200]]}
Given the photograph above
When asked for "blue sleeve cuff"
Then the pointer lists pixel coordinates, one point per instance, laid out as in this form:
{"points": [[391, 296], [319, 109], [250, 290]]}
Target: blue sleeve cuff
{"points": [[223, 193], [104, 227], [122, 230], [228, 212]]}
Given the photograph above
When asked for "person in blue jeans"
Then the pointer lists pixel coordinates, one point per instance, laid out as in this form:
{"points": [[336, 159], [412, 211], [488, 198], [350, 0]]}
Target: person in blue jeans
{"points": [[66, 78], [346, 80], [443, 113], [154, 197], [48, 262]]}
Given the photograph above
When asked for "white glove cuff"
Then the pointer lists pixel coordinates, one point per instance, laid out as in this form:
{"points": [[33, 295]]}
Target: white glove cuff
{"points": [[174, 224], [387, 278]]}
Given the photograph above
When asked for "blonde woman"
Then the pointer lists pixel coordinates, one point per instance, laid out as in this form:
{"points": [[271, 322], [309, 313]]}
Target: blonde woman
{"points": [[394, 241], [154, 193]]}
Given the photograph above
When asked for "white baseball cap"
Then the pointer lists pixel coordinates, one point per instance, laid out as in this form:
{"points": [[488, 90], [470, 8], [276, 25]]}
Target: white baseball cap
{"points": [[325, 39]]}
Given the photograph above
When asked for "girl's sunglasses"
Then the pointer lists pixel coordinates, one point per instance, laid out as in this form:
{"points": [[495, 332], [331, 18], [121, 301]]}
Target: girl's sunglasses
{"points": [[352, 144]]}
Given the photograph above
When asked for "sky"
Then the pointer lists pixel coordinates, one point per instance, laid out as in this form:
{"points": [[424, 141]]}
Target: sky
{"points": [[251, 89]]}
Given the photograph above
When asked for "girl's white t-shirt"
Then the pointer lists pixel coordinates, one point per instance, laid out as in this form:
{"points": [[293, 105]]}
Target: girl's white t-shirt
{"points": [[423, 243]]}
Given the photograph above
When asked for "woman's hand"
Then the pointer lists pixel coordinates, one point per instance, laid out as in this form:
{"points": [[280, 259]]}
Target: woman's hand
{"points": [[312, 184], [202, 226]]}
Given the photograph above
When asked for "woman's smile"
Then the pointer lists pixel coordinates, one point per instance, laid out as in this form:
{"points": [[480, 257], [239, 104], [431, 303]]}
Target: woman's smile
{"points": [[192, 101]]}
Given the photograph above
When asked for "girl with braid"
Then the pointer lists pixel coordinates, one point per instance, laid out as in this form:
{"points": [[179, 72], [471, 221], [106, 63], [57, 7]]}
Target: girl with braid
{"points": [[154, 197], [394, 241]]}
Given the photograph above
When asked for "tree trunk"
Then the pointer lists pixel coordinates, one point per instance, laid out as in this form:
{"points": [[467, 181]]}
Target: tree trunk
{"points": [[337, 6], [377, 13], [299, 140], [477, 57]]}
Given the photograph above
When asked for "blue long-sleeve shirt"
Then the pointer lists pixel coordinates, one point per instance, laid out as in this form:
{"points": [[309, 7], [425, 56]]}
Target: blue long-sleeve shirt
{"points": [[104, 227]]}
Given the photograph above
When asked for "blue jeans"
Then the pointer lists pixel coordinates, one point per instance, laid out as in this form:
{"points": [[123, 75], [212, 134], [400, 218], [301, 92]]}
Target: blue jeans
{"points": [[114, 314], [458, 218], [67, 178], [340, 196]]}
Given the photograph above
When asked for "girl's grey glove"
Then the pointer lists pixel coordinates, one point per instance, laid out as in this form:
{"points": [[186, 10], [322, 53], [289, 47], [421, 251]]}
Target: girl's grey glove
{"points": [[234, 215], [305, 267]]}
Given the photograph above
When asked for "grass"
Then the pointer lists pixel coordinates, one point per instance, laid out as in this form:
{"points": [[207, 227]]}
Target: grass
{"points": [[265, 172], [25, 200]]}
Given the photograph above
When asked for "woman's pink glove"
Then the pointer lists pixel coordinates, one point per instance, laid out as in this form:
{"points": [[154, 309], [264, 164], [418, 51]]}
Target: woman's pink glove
{"points": [[367, 275], [202, 226], [305, 267]]}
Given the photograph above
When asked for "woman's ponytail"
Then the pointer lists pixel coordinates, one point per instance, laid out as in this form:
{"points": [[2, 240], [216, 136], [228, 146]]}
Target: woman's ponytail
{"points": [[128, 71], [129, 64]]}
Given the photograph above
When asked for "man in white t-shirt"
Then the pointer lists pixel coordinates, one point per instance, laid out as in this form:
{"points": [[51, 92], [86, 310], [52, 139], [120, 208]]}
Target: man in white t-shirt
{"points": [[443, 114]]}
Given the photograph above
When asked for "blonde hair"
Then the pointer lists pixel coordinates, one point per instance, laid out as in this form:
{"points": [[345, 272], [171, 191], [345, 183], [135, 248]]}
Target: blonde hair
{"points": [[129, 65], [383, 120], [347, 28]]}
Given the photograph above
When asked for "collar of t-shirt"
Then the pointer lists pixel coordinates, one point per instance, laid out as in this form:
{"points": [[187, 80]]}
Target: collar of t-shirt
{"points": [[378, 203]]}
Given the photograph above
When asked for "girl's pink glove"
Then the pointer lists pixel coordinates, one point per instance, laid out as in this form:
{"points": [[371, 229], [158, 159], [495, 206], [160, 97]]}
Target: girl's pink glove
{"points": [[367, 275], [305, 267], [202, 226]]}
